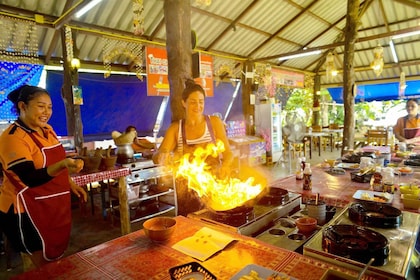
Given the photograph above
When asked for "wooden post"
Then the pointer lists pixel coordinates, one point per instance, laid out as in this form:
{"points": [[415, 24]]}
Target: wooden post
{"points": [[248, 109], [178, 46], [73, 116], [348, 73], [317, 102]]}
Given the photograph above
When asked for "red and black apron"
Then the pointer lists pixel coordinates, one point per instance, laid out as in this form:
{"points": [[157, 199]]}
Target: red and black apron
{"points": [[410, 133], [47, 205]]}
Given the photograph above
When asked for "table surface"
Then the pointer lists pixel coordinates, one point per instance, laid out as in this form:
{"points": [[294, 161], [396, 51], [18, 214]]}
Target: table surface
{"points": [[337, 190], [134, 256]]}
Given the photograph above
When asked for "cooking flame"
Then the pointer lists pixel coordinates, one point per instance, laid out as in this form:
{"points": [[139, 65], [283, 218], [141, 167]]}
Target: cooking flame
{"points": [[217, 194]]}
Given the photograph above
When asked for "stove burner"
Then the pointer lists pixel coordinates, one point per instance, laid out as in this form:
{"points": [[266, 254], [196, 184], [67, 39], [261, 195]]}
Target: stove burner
{"points": [[375, 214], [284, 222], [276, 231], [234, 217], [275, 196], [356, 243], [297, 236]]}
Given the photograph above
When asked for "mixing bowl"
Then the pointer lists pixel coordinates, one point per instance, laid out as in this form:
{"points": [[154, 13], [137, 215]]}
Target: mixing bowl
{"points": [[159, 228]]}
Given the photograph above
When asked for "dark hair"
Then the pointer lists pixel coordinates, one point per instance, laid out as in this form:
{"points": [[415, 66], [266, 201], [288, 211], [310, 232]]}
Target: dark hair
{"points": [[130, 128], [415, 100], [190, 87], [25, 94]]}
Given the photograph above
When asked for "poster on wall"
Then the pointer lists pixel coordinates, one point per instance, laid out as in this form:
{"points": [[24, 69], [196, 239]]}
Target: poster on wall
{"points": [[157, 72], [205, 78], [287, 78], [77, 95]]}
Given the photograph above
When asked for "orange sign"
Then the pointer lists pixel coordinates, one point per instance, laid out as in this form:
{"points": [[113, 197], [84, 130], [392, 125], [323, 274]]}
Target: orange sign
{"points": [[206, 74], [157, 72], [282, 77]]}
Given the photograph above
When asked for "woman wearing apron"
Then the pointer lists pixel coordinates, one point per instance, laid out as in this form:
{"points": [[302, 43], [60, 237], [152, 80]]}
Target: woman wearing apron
{"points": [[35, 211], [407, 129], [186, 135]]}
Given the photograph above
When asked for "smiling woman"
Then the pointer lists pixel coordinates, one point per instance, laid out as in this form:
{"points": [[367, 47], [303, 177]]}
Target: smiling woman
{"points": [[36, 181]]}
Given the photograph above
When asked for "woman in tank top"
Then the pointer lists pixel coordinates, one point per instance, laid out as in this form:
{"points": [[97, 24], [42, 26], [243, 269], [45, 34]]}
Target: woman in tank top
{"points": [[184, 136]]}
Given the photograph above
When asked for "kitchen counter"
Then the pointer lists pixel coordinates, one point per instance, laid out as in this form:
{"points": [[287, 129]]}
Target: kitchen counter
{"points": [[134, 256], [337, 190]]}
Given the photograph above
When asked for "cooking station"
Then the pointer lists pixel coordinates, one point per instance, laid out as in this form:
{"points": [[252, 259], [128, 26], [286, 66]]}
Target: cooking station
{"points": [[251, 221], [393, 258]]}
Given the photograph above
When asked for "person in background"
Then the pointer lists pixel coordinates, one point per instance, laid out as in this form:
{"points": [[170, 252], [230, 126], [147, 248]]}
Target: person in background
{"points": [[184, 136], [407, 129], [139, 146], [35, 209]]}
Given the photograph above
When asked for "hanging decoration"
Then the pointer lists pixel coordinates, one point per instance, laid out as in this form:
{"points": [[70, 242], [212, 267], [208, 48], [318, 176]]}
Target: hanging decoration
{"points": [[226, 68], [331, 70], [131, 51], [203, 2], [69, 43], [378, 61], [18, 40], [138, 17], [402, 85]]}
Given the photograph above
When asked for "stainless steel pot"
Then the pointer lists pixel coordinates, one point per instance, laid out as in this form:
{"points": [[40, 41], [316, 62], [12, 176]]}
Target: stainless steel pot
{"points": [[125, 153]]}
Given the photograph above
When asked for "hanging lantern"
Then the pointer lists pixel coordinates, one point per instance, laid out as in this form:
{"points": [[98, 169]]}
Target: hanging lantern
{"points": [[331, 70], [378, 61], [138, 17]]}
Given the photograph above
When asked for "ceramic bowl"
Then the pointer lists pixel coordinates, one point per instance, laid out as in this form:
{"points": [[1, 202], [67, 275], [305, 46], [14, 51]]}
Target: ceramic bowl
{"points": [[306, 224], [331, 162], [159, 228]]}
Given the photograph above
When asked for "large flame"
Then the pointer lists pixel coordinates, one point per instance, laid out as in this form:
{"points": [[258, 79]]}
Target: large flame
{"points": [[217, 194]]}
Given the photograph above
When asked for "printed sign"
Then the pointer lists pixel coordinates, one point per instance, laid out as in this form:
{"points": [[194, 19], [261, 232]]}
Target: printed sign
{"points": [[282, 77], [157, 72], [77, 95], [206, 74]]}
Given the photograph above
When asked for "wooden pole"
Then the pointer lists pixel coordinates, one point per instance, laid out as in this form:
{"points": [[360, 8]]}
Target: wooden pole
{"points": [[317, 102], [349, 85], [178, 46], [73, 115]]}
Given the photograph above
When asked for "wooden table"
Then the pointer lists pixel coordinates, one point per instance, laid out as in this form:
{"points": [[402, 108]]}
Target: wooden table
{"points": [[118, 173], [331, 133], [318, 135], [134, 256], [337, 190]]}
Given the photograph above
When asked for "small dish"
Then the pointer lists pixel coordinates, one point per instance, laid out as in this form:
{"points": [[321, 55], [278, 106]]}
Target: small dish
{"points": [[260, 272], [405, 170], [380, 197], [348, 165]]}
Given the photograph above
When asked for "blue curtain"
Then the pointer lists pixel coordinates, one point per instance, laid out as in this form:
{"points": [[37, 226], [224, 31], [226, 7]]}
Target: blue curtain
{"points": [[380, 92], [118, 101], [13, 75]]}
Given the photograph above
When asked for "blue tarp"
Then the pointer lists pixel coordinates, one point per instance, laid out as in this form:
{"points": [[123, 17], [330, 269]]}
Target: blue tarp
{"points": [[388, 91]]}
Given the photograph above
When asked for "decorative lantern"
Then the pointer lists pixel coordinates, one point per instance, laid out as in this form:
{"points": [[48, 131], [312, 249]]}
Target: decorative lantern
{"points": [[378, 62]]}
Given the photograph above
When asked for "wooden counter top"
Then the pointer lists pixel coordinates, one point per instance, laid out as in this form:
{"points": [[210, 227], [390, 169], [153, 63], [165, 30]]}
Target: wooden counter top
{"points": [[134, 256]]}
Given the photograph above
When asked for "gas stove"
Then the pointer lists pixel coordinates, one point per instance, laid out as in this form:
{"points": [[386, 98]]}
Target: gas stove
{"points": [[286, 235], [262, 217], [401, 240]]}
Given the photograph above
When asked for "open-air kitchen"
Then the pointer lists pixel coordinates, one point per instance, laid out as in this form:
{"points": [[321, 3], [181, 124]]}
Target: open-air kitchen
{"points": [[259, 232], [230, 140]]}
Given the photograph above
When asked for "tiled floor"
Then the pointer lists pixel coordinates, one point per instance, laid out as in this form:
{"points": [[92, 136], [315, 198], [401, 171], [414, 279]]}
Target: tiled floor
{"points": [[91, 230]]}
